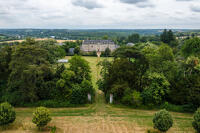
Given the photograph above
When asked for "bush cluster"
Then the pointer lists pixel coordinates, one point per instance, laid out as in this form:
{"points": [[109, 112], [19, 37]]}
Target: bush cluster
{"points": [[162, 120], [7, 114], [196, 121], [41, 117]]}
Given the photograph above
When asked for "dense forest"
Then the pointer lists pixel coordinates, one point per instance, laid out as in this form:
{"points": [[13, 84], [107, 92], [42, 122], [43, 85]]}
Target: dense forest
{"points": [[159, 71], [150, 75], [31, 76]]}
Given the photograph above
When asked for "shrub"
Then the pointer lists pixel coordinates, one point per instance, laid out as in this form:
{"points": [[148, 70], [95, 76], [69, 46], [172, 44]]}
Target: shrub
{"points": [[158, 87], [80, 92], [188, 108], [137, 98], [128, 97], [147, 96], [41, 117], [162, 120], [79, 95], [196, 122], [178, 108], [50, 104], [7, 114], [119, 90], [53, 129], [87, 87], [172, 107]]}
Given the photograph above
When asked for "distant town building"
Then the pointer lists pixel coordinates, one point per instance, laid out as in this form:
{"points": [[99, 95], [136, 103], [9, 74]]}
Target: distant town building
{"points": [[52, 37], [98, 45]]}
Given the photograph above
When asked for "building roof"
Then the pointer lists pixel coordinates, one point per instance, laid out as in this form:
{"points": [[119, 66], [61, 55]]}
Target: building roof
{"points": [[98, 42]]}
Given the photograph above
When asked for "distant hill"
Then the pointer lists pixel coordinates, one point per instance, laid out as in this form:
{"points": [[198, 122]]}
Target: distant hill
{"points": [[6, 37], [80, 34]]}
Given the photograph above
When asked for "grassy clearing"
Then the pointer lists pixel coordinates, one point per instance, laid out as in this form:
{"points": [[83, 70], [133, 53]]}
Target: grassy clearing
{"points": [[98, 117], [93, 62]]}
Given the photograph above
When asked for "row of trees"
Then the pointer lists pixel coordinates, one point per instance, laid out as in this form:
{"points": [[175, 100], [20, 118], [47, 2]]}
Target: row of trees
{"points": [[149, 74], [29, 73], [167, 37]]}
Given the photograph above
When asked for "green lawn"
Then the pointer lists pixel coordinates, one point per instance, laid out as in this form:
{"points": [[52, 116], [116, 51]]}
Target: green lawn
{"points": [[98, 117]]}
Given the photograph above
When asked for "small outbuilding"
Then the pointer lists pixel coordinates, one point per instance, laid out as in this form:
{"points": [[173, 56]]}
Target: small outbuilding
{"points": [[130, 44], [63, 61]]}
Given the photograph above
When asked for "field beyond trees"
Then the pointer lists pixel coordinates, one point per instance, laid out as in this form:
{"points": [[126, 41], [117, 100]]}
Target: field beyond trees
{"points": [[98, 117]]}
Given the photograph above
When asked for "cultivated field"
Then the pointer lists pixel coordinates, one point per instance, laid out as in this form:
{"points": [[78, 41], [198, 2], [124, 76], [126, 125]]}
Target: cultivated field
{"points": [[98, 117], [39, 39]]}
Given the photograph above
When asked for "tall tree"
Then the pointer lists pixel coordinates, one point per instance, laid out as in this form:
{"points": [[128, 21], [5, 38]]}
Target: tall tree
{"points": [[107, 52], [105, 37], [30, 67], [81, 68], [134, 38], [191, 47], [126, 71], [77, 50], [167, 37]]}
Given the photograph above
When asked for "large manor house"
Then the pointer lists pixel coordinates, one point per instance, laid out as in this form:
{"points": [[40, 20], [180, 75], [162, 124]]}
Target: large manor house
{"points": [[98, 45]]}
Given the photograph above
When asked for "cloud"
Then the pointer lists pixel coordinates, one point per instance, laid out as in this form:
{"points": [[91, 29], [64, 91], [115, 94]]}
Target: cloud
{"points": [[139, 3], [99, 14], [195, 8], [133, 1], [3, 11], [185, 0], [89, 4], [144, 5]]}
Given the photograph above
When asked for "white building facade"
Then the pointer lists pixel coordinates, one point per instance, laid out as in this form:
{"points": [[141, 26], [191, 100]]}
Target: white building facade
{"points": [[98, 45]]}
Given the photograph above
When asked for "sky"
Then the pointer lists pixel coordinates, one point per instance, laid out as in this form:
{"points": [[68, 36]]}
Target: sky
{"points": [[100, 14]]}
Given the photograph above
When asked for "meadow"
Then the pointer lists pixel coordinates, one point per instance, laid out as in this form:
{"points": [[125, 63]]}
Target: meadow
{"points": [[38, 39], [98, 117]]}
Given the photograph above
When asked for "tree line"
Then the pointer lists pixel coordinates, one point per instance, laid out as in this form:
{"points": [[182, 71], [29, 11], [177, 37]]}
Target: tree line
{"points": [[31, 76], [149, 75]]}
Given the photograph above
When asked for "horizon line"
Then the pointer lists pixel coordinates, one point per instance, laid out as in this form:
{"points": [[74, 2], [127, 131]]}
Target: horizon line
{"points": [[101, 28]]}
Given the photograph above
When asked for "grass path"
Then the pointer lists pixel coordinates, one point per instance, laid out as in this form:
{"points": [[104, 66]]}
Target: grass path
{"points": [[98, 117]]}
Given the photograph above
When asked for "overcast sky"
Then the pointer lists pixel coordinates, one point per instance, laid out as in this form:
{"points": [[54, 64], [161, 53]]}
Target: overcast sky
{"points": [[104, 14]]}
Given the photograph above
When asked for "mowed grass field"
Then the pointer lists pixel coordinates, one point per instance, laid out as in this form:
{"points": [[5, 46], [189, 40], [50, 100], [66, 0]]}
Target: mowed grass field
{"points": [[98, 117]]}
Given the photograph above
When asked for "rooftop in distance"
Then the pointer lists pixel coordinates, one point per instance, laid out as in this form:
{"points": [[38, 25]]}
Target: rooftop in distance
{"points": [[98, 42]]}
